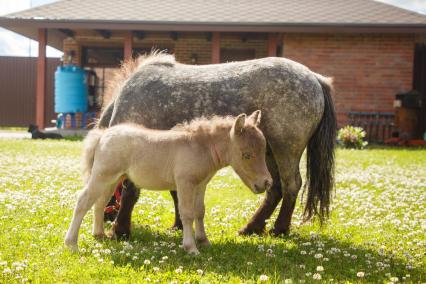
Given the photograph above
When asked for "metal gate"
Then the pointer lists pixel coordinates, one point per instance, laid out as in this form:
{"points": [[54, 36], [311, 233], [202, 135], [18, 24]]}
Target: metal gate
{"points": [[18, 88]]}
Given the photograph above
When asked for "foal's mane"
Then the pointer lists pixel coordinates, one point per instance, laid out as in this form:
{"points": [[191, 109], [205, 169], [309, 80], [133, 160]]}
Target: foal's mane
{"points": [[202, 128], [205, 125], [131, 66]]}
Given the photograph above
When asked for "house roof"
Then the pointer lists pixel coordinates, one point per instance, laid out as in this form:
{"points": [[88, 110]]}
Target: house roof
{"points": [[226, 11], [219, 15]]}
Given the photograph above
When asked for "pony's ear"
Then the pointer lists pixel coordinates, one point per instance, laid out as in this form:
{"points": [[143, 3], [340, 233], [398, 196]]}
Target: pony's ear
{"points": [[255, 117], [239, 123]]}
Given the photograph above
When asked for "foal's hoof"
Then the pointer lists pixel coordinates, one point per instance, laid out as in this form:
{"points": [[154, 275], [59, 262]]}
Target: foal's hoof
{"points": [[100, 236], [193, 252], [118, 233], [204, 242], [72, 246], [177, 226], [247, 231]]}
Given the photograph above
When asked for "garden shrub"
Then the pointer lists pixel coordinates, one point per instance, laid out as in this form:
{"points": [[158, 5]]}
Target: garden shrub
{"points": [[352, 137]]}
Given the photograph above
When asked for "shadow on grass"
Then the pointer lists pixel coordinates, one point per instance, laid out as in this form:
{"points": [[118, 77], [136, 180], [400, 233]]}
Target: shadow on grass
{"points": [[246, 257]]}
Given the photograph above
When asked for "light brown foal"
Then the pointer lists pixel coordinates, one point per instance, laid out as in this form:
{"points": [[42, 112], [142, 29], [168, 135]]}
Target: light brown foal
{"points": [[182, 159]]}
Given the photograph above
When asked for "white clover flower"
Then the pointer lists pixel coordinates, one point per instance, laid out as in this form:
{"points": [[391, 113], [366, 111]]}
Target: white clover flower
{"points": [[360, 274], [317, 276], [318, 255], [156, 269], [249, 263], [302, 252], [7, 271], [263, 278], [146, 262], [288, 281], [200, 272], [178, 270], [320, 268], [394, 279], [165, 257]]}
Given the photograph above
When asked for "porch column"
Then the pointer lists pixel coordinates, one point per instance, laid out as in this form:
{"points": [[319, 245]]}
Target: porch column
{"points": [[215, 47], [128, 45], [41, 78], [272, 44]]}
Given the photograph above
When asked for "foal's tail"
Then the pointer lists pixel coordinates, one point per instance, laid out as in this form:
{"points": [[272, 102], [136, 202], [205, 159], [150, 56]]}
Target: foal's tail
{"points": [[89, 147], [320, 158]]}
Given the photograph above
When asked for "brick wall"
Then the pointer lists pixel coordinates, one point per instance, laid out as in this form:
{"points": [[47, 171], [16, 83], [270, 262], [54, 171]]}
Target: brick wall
{"points": [[184, 46], [368, 69], [71, 44]]}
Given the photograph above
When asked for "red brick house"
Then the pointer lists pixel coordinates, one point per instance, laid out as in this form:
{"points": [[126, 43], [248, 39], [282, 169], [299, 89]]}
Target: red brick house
{"points": [[368, 46]]}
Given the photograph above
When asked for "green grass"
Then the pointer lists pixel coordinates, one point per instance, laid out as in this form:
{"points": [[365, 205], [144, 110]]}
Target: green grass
{"points": [[377, 227], [12, 128]]}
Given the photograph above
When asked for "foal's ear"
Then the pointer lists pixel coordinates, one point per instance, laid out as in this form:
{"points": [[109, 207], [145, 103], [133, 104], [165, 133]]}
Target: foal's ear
{"points": [[239, 123], [255, 117]]}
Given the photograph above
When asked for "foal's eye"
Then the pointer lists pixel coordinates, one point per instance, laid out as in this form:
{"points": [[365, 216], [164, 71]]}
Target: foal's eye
{"points": [[246, 156]]}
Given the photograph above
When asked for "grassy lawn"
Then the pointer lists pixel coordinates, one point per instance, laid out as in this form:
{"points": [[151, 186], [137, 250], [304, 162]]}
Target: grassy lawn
{"points": [[377, 232]]}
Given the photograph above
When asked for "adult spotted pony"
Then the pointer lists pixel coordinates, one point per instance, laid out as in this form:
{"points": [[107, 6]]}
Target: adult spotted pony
{"points": [[158, 92]]}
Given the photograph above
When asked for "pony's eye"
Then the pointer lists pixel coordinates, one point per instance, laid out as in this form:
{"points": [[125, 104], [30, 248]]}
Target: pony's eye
{"points": [[246, 156]]}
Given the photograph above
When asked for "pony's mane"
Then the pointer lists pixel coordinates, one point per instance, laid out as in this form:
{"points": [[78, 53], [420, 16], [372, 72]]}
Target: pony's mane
{"points": [[129, 67]]}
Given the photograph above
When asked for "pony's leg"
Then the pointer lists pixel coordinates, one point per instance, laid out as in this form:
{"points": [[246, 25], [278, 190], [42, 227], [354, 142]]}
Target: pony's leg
{"points": [[129, 197], [257, 223], [200, 232], [178, 222], [98, 222], [287, 160], [85, 201], [186, 197], [293, 182]]}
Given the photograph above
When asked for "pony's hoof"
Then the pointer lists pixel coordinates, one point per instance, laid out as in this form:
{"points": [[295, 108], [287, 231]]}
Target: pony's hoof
{"points": [[279, 232], [247, 231]]}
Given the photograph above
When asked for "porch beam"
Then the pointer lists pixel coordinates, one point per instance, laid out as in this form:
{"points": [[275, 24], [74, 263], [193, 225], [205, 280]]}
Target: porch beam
{"points": [[272, 44], [140, 35], [67, 32], [104, 33], [41, 78], [215, 47], [128, 45], [174, 36]]}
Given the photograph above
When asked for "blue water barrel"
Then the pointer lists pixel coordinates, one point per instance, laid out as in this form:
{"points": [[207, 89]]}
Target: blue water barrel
{"points": [[70, 89]]}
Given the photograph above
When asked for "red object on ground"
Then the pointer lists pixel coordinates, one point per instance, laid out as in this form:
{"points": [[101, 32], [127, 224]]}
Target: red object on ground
{"points": [[117, 194]]}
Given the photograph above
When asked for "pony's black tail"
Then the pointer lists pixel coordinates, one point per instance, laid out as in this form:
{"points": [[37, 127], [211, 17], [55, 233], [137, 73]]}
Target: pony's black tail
{"points": [[320, 158]]}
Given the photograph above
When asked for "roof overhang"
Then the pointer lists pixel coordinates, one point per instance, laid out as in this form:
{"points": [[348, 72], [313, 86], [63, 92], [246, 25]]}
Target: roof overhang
{"points": [[29, 27]]}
